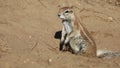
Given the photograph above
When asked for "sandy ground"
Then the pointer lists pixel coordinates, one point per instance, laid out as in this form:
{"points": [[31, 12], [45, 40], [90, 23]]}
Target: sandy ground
{"points": [[29, 33]]}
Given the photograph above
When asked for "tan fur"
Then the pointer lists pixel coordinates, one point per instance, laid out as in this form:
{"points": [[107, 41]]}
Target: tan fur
{"points": [[91, 49], [79, 29]]}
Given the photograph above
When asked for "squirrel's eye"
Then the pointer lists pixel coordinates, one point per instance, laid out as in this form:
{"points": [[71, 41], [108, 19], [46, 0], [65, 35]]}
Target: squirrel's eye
{"points": [[66, 11]]}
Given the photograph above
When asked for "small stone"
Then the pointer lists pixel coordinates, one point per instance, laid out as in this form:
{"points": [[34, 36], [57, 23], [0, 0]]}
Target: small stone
{"points": [[25, 61], [33, 62], [30, 36], [110, 18], [50, 60]]}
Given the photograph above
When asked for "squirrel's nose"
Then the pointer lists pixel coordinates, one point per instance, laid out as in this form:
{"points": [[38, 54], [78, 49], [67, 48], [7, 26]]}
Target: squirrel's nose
{"points": [[58, 15]]}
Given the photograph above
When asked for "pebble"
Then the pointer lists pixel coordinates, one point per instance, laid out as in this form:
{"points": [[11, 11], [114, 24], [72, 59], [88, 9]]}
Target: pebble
{"points": [[30, 36], [50, 60], [110, 18]]}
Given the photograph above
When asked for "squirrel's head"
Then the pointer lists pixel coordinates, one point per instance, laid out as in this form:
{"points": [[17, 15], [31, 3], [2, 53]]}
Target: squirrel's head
{"points": [[66, 13]]}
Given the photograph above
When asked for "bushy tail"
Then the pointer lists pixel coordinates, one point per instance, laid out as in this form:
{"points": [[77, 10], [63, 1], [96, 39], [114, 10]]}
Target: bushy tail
{"points": [[105, 54]]}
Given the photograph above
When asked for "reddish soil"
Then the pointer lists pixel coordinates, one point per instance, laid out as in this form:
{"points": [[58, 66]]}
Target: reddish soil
{"points": [[29, 32]]}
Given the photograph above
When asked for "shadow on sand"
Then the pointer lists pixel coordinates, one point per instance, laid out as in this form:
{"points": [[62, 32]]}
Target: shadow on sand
{"points": [[57, 35]]}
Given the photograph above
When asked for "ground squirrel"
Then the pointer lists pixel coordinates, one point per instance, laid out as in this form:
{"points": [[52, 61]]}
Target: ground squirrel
{"points": [[78, 37]]}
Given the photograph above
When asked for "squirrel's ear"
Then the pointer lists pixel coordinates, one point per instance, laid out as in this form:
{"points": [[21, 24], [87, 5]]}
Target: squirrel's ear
{"points": [[59, 6], [71, 7], [62, 5]]}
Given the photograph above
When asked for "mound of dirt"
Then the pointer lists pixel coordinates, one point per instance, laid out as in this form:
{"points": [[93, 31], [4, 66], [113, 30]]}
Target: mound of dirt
{"points": [[30, 32]]}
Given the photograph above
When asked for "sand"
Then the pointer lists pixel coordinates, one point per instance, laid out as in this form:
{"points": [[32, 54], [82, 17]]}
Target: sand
{"points": [[30, 32]]}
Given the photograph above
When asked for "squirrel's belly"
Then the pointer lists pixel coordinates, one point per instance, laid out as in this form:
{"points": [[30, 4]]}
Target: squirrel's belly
{"points": [[68, 27]]}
